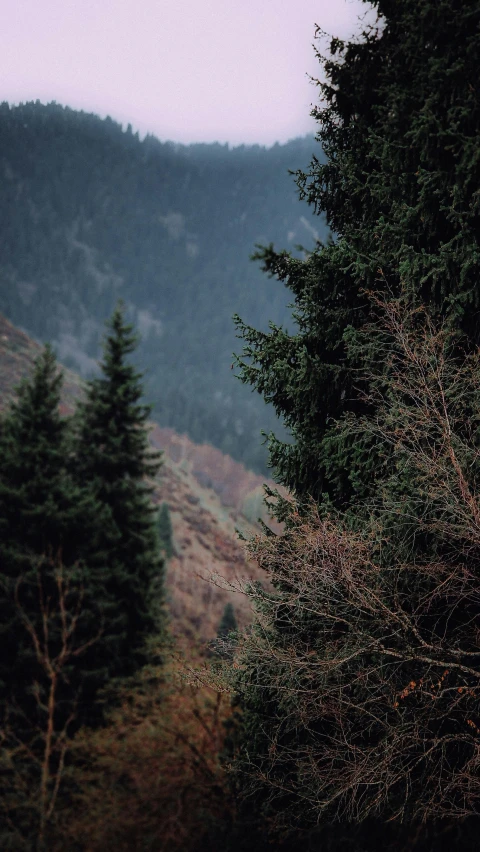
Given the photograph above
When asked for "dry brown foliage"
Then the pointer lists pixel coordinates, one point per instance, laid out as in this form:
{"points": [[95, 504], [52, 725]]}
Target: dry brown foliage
{"points": [[370, 661], [34, 744], [151, 779]]}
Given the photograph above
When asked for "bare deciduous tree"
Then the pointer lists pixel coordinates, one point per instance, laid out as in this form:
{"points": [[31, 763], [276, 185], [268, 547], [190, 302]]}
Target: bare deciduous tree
{"points": [[366, 651], [50, 605]]}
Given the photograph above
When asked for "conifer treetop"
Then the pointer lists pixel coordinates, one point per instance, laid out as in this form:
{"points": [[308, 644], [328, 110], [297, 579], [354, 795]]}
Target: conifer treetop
{"points": [[398, 178]]}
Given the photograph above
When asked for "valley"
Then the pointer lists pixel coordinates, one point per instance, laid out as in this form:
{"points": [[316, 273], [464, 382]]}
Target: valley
{"points": [[210, 496], [90, 213]]}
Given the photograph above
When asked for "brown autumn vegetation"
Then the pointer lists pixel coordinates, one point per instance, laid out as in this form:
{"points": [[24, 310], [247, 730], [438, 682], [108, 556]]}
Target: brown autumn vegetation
{"points": [[35, 745], [368, 651], [151, 779], [209, 495]]}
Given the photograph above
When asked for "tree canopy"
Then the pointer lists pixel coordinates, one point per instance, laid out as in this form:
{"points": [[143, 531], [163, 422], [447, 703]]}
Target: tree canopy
{"points": [[51, 524], [114, 455], [398, 185], [359, 680]]}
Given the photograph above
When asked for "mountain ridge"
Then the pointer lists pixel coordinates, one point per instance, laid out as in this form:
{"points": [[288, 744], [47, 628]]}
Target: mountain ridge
{"points": [[90, 213]]}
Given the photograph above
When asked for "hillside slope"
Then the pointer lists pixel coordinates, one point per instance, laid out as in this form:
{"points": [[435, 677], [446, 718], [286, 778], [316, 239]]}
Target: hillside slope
{"points": [[89, 213], [210, 496]]}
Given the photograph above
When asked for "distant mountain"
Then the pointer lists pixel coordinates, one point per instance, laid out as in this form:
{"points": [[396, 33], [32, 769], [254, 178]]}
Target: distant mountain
{"points": [[90, 213], [210, 497]]}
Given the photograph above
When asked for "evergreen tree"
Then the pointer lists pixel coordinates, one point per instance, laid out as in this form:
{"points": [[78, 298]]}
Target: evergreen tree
{"points": [[165, 531], [228, 622], [49, 527], [113, 455], [400, 131], [223, 645], [361, 676], [399, 188]]}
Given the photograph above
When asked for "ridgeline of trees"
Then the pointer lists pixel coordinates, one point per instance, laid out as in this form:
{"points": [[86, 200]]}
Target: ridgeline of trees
{"points": [[89, 213]]}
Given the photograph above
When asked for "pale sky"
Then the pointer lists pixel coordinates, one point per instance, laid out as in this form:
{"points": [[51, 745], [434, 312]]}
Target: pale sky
{"points": [[187, 70]]}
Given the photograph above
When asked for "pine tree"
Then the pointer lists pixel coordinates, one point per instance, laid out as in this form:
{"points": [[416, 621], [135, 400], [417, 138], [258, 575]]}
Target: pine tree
{"points": [[165, 531], [66, 627], [399, 188], [226, 633], [228, 622], [398, 184], [50, 525], [113, 455]]}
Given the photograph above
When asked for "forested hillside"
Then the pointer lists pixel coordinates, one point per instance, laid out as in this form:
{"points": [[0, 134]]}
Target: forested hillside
{"points": [[206, 495], [77, 601], [347, 715], [90, 213]]}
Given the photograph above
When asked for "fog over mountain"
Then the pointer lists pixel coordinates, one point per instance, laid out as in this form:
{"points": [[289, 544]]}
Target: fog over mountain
{"points": [[90, 213]]}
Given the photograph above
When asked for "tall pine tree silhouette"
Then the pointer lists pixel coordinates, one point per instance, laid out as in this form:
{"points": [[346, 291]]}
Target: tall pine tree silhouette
{"points": [[397, 181], [113, 454], [52, 570]]}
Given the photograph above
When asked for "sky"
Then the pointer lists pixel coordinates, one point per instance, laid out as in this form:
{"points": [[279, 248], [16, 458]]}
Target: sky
{"points": [[231, 71]]}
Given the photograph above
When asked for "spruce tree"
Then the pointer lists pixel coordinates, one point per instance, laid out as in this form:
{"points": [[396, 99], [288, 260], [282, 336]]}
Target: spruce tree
{"points": [[399, 188], [114, 456], [165, 531], [50, 526], [398, 183], [347, 711], [226, 633], [228, 622]]}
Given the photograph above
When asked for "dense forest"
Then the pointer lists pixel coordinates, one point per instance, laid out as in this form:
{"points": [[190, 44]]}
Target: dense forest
{"points": [[346, 714], [90, 213]]}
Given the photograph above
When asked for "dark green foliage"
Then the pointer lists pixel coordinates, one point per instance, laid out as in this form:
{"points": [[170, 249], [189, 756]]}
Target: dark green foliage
{"points": [[113, 455], [225, 642], [359, 683], [81, 576], [165, 531], [399, 188], [50, 524], [89, 213], [228, 622], [400, 130]]}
